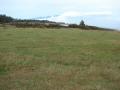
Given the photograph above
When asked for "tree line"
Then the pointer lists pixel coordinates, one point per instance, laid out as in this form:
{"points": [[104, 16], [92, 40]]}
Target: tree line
{"points": [[4, 19]]}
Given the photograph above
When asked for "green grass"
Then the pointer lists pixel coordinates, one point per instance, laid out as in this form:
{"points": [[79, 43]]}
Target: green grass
{"points": [[59, 59]]}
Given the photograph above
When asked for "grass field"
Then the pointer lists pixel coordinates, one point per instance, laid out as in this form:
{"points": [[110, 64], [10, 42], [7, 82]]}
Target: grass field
{"points": [[59, 59]]}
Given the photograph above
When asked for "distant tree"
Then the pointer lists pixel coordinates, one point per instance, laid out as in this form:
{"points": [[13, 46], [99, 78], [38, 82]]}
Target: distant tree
{"points": [[82, 24], [5, 19]]}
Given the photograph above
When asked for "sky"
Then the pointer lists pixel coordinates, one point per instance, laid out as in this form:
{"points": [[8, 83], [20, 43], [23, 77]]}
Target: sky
{"points": [[103, 13]]}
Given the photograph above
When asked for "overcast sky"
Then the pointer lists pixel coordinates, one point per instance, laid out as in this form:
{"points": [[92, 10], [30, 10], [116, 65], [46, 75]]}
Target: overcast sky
{"points": [[103, 13]]}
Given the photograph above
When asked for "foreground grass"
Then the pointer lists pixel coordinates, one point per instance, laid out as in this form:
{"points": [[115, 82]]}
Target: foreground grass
{"points": [[59, 59]]}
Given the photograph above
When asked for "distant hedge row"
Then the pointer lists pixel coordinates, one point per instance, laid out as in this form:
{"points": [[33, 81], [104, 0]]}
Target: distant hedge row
{"points": [[35, 25], [24, 23], [5, 19]]}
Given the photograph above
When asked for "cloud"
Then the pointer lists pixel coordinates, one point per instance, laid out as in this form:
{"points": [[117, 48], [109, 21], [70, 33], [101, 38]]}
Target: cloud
{"points": [[71, 14], [103, 13]]}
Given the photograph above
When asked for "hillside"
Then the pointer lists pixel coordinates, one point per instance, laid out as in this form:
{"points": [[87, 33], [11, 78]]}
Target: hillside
{"points": [[59, 59]]}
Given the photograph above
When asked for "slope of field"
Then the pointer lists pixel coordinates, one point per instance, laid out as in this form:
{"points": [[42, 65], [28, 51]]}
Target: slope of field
{"points": [[59, 59]]}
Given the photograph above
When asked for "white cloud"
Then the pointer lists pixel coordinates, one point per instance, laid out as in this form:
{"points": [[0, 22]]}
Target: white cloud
{"points": [[103, 13], [71, 14]]}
